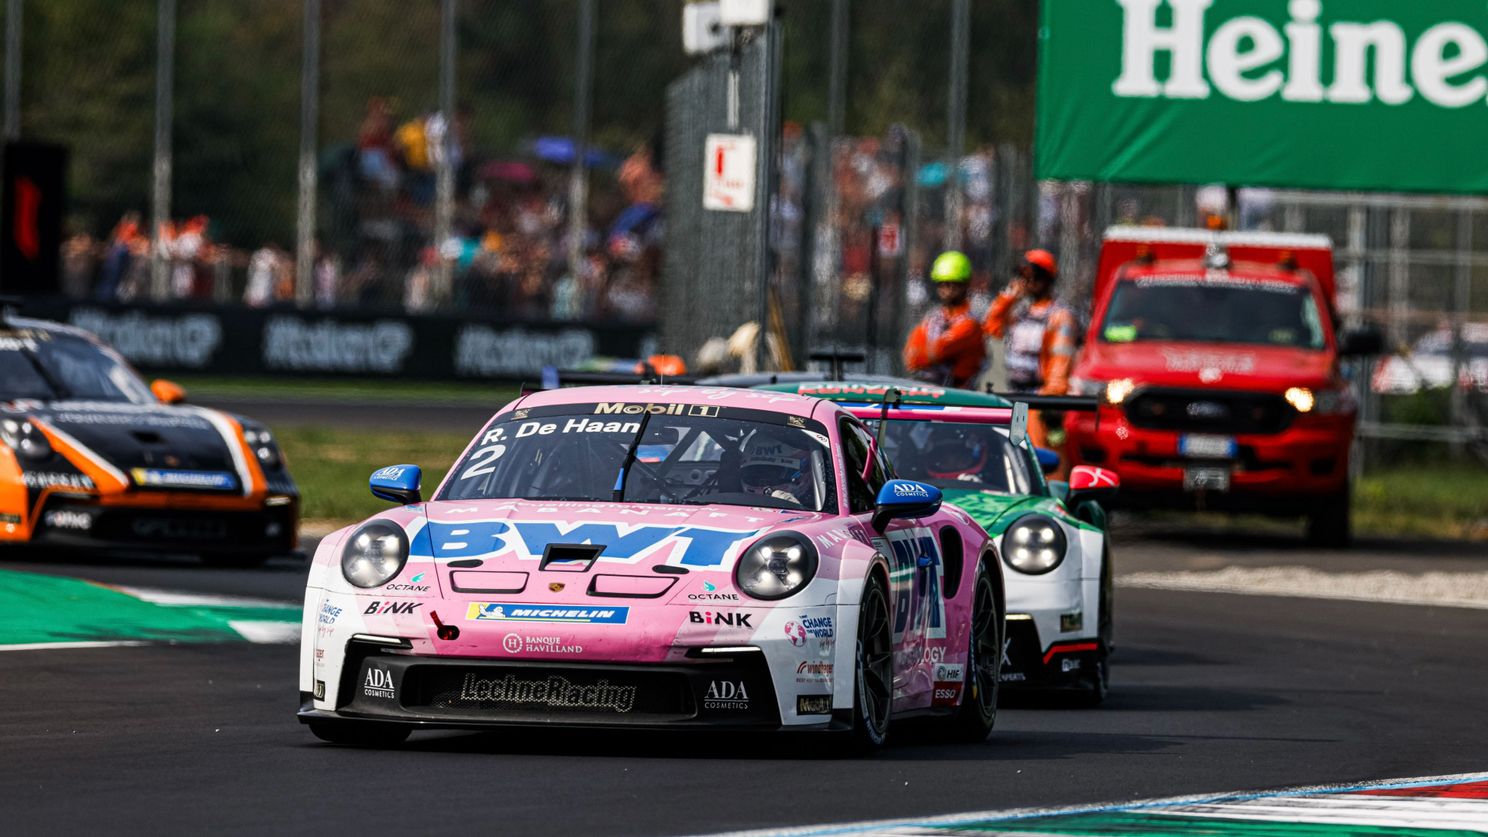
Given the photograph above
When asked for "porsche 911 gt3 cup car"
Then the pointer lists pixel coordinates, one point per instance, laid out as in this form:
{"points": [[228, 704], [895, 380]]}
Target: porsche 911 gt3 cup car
{"points": [[1052, 535], [655, 557], [93, 458]]}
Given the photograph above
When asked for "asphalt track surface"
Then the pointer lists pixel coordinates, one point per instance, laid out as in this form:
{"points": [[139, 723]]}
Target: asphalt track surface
{"points": [[1213, 692]]}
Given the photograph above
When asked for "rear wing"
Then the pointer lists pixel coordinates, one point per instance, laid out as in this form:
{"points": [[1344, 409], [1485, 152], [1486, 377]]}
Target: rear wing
{"points": [[1123, 245], [1060, 403], [555, 378]]}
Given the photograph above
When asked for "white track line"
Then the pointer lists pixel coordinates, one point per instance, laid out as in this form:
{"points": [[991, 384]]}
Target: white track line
{"points": [[267, 633], [171, 598], [1440, 589], [54, 646]]}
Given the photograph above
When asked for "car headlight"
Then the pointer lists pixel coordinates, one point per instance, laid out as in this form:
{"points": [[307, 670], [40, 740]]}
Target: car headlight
{"points": [[776, 567], [374, 554], [25, 439], [1034, 545], [262, 443]]}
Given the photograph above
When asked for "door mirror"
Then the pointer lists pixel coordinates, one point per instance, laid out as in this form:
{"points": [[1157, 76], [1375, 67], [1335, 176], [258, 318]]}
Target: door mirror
{"points": [[1048, 460], [168, 392], [397, 484], [1088, 483], [904, 499], [1361, 342]]}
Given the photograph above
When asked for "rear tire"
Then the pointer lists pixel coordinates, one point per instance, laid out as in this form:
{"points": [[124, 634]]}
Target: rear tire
{"points": [[873, 676], [973, 722], [1329, 525], [359, 734]]}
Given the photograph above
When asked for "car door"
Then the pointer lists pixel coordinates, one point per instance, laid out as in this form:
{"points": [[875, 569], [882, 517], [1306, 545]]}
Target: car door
{"points": [[914, 560]]}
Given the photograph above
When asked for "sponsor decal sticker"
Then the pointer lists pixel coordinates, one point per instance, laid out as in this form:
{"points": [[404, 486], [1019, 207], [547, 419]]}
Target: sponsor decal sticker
{"points": [[726, 694], [509, 612], [319, 690], [946, 694], [796, 633], [44, 479], [950, 673], [620, 408], [391, 472], [817, 626], [329, 613], [813, 704], [813, 671], [708, 617], [378, 683], [519, 644], [62, 519], [377, 608], [556, 692], [158, 478], [910, 491]]}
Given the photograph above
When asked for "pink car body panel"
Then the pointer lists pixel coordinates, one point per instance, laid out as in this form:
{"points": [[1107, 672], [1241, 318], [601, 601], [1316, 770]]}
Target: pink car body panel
{"points": [[663, 588]]}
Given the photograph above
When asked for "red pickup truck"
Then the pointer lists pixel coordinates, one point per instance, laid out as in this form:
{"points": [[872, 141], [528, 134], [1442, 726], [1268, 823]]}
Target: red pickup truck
{"points": [[1217, 359]]}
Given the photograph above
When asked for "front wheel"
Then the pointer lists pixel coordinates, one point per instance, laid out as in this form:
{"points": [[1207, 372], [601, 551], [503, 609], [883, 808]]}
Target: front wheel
{"points": [[359, 733], [973, 722], [873, 689]]}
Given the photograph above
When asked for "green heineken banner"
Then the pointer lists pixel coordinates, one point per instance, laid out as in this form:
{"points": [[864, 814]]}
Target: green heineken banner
{"points": [[1331, 94]]}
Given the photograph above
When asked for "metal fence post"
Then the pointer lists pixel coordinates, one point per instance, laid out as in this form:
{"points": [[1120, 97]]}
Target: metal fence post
{"points": [[12, 69], [764, 187], [578, 182], [164, 85], [956, 118], [445, 173], [309, 126]]}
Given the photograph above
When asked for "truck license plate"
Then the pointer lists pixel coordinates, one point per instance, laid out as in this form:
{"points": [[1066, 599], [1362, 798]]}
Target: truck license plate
{"points": [[1205, 446], [1206, 479]]}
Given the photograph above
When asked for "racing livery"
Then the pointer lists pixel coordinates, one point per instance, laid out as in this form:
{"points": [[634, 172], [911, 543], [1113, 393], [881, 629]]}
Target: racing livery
{"points": [[1052, 534], [93, 458], [655, 557]]}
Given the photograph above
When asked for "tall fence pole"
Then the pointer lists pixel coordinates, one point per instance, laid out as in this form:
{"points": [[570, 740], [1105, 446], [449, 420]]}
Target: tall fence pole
{"points": [[764, 187], [309, 129], [165, 47], [578, 181], [12, 69], [956, 117], [837, 71], [445, 185]]}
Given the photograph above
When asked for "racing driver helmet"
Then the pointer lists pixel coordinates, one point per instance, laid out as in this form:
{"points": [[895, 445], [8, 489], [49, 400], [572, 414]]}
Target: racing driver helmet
{"points": [[776, 467], [956, 455]]}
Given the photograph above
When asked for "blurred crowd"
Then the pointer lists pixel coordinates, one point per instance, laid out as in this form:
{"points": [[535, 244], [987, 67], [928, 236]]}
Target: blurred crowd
{"points": [[507, 253]]}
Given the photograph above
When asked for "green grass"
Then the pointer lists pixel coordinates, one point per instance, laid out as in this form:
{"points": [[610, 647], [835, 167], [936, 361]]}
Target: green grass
{"points": [[332, 466], [206, 387], [1443, 501]]}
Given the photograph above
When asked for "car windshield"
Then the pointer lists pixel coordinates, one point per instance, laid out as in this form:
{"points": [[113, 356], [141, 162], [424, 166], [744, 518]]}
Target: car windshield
{"points": [[673, 453], [956, 455], [1213, 311], [51, 366]]}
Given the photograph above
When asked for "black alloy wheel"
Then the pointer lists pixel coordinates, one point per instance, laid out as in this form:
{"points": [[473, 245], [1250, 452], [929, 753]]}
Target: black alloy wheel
{"points": [[873, 698]]}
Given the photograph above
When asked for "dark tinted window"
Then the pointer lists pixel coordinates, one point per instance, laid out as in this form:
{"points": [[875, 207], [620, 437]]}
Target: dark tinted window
{"points": [[1213, 311]]}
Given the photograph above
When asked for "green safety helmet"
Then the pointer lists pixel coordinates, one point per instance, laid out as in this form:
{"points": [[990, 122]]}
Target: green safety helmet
{"points": [[951, 266]]}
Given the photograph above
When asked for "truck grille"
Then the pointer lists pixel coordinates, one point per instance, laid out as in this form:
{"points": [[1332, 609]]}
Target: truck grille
{"points": [[1208, 411]]}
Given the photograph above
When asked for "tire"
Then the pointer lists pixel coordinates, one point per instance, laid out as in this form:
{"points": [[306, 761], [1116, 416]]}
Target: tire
{"points": [[973, 722], [359, 734], [873, 676], [1328, 525], [1097, 681]]}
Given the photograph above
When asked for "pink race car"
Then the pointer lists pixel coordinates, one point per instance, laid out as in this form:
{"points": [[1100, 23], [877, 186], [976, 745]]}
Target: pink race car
{"points": [[655, 557]]}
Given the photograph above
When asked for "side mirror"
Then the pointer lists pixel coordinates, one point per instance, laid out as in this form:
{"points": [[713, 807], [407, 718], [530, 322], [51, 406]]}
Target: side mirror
{"points": [[1088, 483], [397, 484], [904, 499], [1361, 342], [167, 392], [1048, 460]]}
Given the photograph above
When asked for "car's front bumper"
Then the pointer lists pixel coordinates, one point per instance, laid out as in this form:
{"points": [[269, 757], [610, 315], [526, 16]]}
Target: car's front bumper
{"points": [[729, 692], [67, 523]]}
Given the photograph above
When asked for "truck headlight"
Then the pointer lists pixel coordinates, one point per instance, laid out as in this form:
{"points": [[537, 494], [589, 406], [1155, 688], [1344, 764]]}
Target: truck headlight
{"points": [[374, 554], [1323, 402], [1034, 545], [776, 567]]}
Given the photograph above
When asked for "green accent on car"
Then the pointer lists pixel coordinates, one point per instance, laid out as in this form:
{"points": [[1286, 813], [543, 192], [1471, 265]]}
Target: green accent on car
{"points": [[995, 511], [38, 608], [858, 393]]}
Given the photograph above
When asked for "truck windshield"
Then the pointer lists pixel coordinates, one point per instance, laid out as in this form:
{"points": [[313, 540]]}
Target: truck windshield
{"points": [[607, 453], [1210, 311]]}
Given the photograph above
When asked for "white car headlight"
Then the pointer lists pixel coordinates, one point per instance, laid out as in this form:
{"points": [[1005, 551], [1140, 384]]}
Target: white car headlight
{"points": [[262, 443], [25, 439], [374, 554], [777, 567], [1034, 545]]}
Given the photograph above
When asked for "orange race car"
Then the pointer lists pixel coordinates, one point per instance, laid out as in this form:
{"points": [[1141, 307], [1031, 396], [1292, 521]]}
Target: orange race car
{"points": [[93, 458]]}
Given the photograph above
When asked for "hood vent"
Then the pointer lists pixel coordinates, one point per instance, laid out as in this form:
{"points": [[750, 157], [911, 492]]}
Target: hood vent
{"points": [[570, 558]]}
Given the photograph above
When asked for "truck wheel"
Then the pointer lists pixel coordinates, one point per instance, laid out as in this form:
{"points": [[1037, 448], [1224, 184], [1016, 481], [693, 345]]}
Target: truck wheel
{"points": [[1328, 524], [974, 720], [359, 734], [873, 679]]}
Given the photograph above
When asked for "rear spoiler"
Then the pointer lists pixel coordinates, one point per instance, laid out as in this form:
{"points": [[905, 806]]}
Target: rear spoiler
{"points": [[554, 378], [1061, 403], [838, 360]]}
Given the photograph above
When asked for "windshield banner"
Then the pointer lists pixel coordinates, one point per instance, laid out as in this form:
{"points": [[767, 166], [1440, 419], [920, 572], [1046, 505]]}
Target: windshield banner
{"points": [[1327, 94]]}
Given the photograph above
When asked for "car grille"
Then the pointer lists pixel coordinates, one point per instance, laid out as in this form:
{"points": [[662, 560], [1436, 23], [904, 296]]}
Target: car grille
{"points": [[546, 694], [1208, 411]]}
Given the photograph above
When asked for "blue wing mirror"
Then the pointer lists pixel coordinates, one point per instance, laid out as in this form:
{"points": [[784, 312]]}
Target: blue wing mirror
{"points": [[1048, 460], [904, 499], [397, 483]]}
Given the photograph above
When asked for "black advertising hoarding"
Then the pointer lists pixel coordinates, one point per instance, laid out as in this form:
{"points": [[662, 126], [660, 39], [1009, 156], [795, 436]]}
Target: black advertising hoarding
{"points": [[31, 205], [229, 340]]}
